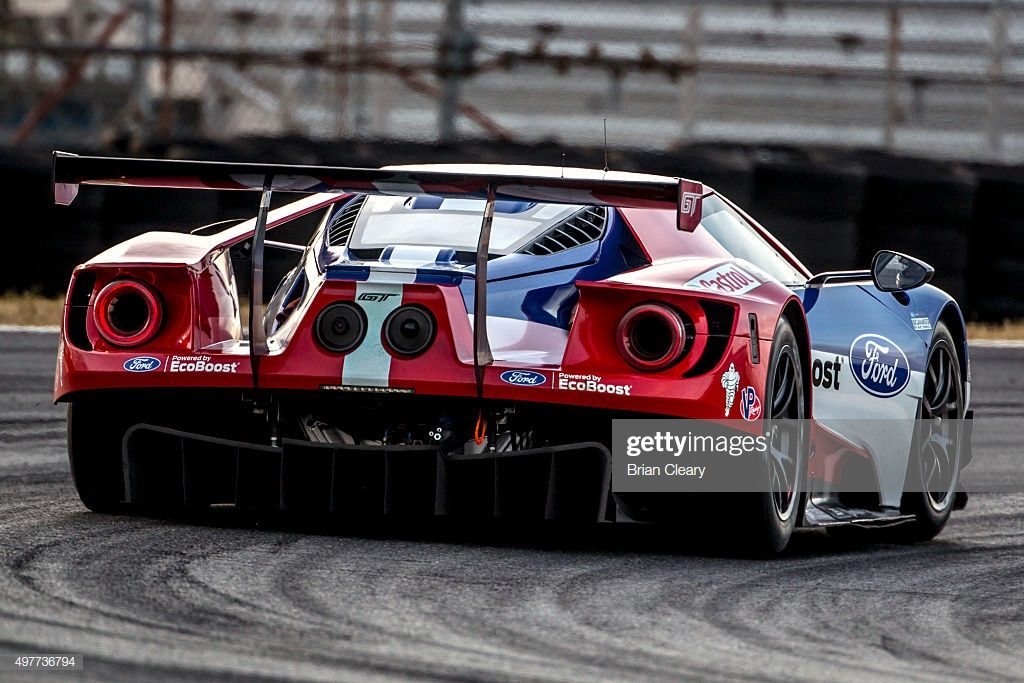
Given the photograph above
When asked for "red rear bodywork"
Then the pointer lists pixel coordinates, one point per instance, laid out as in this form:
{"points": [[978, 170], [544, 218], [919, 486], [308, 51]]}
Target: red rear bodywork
{"points": [[201, 342]]}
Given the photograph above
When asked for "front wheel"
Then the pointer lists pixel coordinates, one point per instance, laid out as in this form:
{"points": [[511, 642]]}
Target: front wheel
{"points": [[933, 472]]}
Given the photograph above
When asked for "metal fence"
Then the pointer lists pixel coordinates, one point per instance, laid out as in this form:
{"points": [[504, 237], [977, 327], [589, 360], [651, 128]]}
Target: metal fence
{"points": [[930, 77]]}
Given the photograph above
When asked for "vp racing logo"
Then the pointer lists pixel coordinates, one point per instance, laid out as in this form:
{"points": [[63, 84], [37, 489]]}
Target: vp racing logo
{"points": [[750, 404], [142, 364], [523, 378], [878, 365]]}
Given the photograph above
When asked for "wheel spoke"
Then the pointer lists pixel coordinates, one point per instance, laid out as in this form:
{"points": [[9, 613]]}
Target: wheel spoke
{"points": [[937, 456], [786, 434], [781, 475], [783, 388], [929, 469], [943, 396], [951, 399], [782, 463], [932, 379], [779, 486], [947, 384]]}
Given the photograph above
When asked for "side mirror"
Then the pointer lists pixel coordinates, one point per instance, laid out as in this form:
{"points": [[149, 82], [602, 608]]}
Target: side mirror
{"points": [[892, 271]]}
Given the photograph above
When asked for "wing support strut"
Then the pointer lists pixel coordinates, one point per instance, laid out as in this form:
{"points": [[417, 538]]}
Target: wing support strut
{"points": [[482, 356], [257, 330]]}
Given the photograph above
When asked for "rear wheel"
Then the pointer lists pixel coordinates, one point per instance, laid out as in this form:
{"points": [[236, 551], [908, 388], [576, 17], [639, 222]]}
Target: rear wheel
{"points": [[934, 468], [94, 453], [97, 425], [760, 523], [776, 511]]}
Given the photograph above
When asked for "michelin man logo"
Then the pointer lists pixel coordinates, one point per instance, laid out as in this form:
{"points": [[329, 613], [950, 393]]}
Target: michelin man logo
{"points": [[730, 382]]}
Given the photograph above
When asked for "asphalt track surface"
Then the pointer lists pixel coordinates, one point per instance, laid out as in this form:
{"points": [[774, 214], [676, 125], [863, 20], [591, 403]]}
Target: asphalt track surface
{"points": [[145, 599]]}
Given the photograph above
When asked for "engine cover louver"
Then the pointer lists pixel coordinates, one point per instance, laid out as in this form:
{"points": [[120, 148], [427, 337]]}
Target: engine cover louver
{"points": [[340, 228], [584, 226]]}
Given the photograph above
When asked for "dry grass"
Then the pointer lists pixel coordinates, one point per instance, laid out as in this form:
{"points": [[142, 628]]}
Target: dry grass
{"points": [[32, 309], [26, 308], [1008, 329]]}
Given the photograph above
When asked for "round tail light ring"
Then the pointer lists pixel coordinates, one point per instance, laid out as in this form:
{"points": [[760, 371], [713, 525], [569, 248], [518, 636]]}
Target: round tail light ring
{"points": [[409, 331], [340, 327], [652, 337], [128, 313]]}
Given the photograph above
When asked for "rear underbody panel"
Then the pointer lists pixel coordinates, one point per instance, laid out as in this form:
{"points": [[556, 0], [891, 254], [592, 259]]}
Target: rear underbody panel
{"points": [[168, 467]]}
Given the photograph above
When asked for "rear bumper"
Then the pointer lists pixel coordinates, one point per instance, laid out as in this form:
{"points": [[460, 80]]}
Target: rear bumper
{"points": [[166, 467], [595, 381]]}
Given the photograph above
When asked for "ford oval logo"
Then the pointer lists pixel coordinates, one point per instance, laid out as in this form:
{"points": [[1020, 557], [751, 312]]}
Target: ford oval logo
{"points": [[523, 378], [879, 365], [142, 364]]}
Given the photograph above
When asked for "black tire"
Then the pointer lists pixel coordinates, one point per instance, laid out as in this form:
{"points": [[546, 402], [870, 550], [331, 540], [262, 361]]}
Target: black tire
{"points": [[776, 512], [94, 453], [933, 471], [755, 524]]}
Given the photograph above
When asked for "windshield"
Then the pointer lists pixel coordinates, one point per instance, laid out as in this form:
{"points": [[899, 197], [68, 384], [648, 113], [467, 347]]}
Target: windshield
{"points": [[454, 223], [741, 240]]}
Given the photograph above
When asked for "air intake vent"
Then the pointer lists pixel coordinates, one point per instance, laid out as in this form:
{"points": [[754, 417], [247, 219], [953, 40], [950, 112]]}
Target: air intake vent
{"points": [[582, 227], [340, 228], [721, 317]]}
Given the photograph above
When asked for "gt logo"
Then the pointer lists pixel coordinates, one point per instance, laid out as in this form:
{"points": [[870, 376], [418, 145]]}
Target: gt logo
{"points": [[374, 296], [688, 203], [826, 374]]}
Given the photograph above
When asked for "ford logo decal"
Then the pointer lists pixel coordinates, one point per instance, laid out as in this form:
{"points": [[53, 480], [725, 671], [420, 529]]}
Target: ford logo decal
{"points": [[879, 366], [523, 378], [142, 364]]}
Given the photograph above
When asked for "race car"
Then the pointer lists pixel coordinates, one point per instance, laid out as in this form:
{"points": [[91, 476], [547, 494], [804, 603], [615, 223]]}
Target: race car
{"points": [[459, 340]]}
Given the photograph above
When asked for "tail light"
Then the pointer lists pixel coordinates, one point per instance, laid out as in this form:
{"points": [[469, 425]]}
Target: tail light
{"points": [[652, 337], [128, 313], [340, 327], [409, 330]]}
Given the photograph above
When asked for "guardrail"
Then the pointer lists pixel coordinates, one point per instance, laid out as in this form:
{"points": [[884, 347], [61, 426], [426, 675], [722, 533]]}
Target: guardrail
{"points": [[932, 77]]}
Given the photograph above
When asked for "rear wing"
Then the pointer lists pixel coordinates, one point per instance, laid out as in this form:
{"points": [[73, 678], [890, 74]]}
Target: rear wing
{"points": [[70, 171]]}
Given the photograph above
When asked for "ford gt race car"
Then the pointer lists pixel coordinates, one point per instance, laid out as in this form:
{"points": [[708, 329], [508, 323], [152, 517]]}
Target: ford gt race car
{"points": [[458, 340]]}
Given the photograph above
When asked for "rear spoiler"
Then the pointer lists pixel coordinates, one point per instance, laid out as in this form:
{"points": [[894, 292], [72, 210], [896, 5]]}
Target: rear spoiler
{"points": [[70, 171]]}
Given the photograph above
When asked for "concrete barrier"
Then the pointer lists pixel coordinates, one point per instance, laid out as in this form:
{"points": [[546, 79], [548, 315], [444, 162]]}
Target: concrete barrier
{"points": [[833, 208]]}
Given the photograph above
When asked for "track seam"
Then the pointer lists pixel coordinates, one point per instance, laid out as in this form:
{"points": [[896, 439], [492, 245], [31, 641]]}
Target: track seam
{"points": [[977, 343], [31, 329]]}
